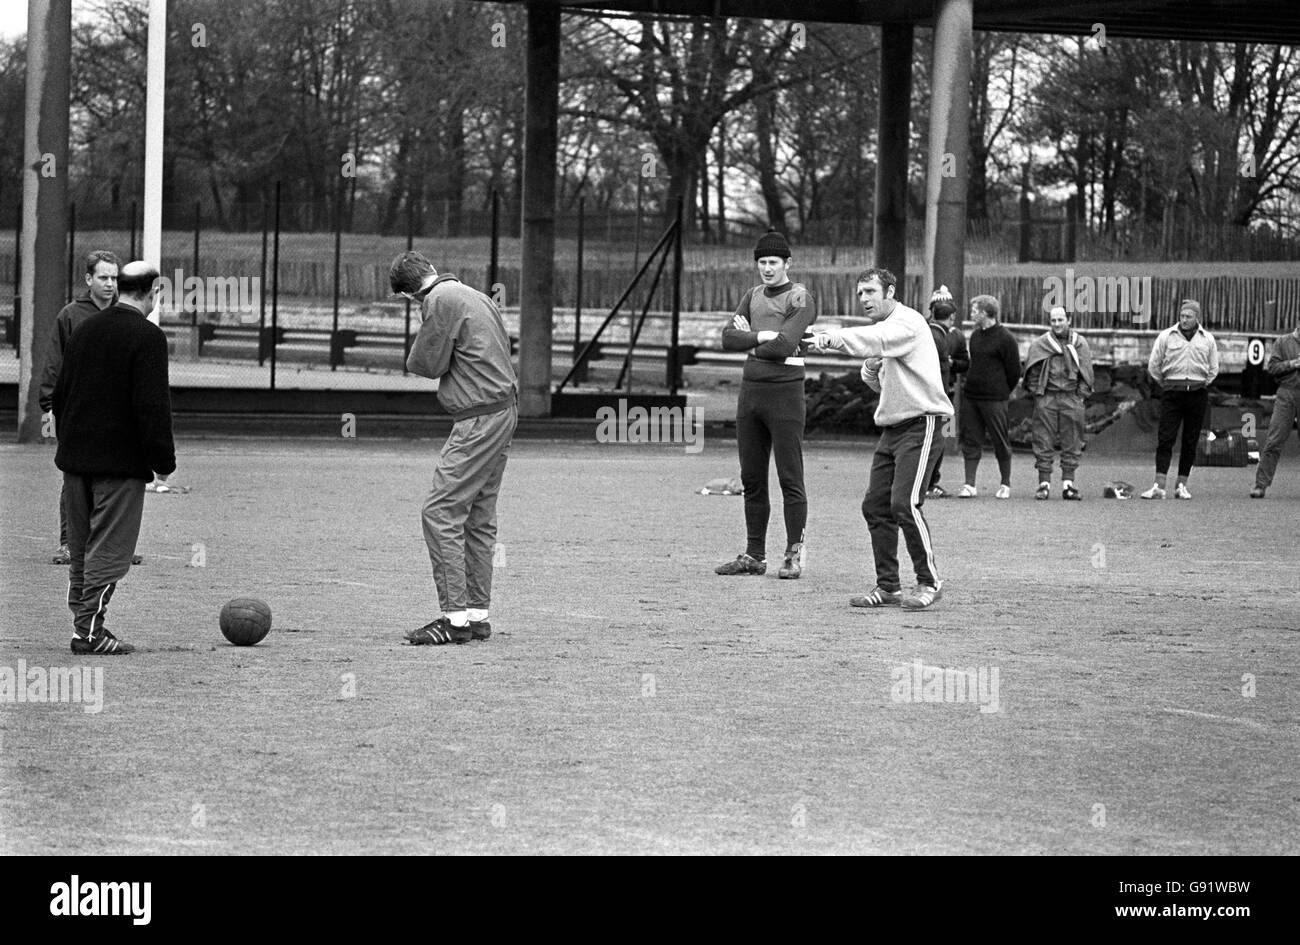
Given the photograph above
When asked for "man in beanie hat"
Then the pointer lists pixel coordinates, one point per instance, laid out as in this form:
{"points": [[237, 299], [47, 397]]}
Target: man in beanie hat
{"points": [[769, 323], [1184, 362], [953, 360], [1058, 375]]}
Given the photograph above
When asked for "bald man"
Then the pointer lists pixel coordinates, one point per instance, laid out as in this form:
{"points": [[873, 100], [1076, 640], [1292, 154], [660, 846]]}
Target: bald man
{"points": [[113, 406], [1058, 376]]}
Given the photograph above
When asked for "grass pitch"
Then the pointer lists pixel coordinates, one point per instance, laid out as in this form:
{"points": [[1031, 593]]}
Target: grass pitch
{"points": [[631, 701]]}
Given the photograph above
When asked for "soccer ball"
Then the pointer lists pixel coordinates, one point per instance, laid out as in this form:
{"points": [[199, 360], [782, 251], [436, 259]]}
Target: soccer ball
{"points": [[245, 621]]}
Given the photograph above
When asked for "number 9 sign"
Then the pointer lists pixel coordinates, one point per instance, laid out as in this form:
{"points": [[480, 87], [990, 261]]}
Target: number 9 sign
{"points": [[1255, 352]]}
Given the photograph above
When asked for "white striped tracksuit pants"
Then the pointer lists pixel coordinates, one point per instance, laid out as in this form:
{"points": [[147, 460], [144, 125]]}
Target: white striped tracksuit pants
{"points": [[103, 515], [905, 459]]}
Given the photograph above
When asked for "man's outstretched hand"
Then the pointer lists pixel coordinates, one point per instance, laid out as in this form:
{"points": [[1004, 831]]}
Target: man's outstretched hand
{"points": [[815, 340]]}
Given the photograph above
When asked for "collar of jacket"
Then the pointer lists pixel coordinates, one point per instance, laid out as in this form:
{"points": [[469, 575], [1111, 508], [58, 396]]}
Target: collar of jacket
{"points": [[446, 277]]}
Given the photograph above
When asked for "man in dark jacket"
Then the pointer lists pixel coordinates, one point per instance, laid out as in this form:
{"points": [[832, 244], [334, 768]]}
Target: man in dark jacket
{"points": [[113, 407], [953, 360], [101, 292], [993, 374], [464, 346]]}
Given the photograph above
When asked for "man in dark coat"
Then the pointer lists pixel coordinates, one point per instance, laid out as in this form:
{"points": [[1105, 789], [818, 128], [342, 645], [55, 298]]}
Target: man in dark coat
{"points": [[114, 424]]}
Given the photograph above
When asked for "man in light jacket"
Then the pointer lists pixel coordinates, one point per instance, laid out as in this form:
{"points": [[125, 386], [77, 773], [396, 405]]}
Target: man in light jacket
{"points": [[1184, 362]]}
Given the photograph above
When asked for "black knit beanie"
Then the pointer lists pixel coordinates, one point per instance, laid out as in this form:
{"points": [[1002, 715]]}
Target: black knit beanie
{"points": [[772, 243]]}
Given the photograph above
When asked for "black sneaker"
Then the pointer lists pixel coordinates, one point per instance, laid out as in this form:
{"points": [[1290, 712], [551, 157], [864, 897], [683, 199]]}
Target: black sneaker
{"points": [[102, 644], [62, 556], [438, 633], [792, 565], [877, 597], [480, 629], [1071, 494], [744, 564]]}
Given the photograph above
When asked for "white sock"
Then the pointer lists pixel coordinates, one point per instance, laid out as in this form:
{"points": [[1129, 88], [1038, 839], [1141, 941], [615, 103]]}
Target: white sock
{"points": [[477, 616], [1068, 484], [1046, 485], [458, 618]]}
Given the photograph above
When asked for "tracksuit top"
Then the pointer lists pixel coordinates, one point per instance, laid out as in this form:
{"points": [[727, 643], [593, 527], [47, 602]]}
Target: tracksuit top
{"points": [[65, 323], [909, 380], [1286, 348], [787, 310], [463, 345], [1175, 359]]}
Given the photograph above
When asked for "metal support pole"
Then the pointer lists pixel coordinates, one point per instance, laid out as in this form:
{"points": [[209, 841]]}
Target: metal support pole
{"points": [[155, 86], [496, 242], [18, 283], [338, 260], [410, 244], [43, 235], [72, 249], [674, 368], [947, 167], [198, 221], [275, 286], [636, 231], [261, 318], [537, 275], [577, 301], [893, 127]]}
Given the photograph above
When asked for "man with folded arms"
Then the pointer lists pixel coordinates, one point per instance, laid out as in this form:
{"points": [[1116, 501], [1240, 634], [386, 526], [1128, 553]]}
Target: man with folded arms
{"points": [[1184, 362]]}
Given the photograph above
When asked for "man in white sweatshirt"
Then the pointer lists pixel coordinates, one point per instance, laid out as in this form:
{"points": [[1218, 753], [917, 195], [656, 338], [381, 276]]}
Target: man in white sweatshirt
{"points": [[901, 362]]}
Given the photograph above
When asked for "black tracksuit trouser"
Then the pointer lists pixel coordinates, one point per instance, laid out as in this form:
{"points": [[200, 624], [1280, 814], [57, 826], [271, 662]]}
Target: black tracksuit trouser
{"points": [[1186, 407], [103, 516], [900, 472], [770, 420]]}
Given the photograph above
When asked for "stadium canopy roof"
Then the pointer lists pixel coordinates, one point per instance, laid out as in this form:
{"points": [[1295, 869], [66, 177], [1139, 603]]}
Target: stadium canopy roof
{"points": [[1255, 21]]}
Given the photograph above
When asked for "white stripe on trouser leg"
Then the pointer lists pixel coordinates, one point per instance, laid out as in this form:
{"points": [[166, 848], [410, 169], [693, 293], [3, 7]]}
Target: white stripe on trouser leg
{"points": [[917, 518], [99, 610]]}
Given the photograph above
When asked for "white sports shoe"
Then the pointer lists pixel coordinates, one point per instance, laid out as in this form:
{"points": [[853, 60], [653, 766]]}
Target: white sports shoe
{"points": [[1155, 492], [1004, 492], [967, 492], [1180, 492]]}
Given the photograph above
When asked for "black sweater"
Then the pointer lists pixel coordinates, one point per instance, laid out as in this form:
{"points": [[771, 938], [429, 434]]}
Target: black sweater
{"points": [[112, 404], [994, 364]]}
